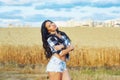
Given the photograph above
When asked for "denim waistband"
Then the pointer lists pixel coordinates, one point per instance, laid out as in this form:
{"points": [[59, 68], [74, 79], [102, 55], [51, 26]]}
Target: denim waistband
{"points": [[56, 60]]}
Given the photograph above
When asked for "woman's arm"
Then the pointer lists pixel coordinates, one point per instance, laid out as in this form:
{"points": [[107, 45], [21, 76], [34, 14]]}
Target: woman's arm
{"points": [[65, 51], [54, 45], [59, 47]]}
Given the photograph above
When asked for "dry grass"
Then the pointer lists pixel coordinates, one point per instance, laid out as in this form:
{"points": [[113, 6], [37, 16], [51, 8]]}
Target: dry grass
{"points": [[88, 36], [20, 50], [91, 56], [77, 73], [22, 54], [85, 56], [93, 46]]}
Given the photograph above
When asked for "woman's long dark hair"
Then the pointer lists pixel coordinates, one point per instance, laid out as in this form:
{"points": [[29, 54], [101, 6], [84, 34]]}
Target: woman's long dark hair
{"points": [[45, 34]]}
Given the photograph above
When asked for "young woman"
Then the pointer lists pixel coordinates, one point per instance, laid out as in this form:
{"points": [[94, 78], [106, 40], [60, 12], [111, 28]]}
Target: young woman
{"points": [[57, 47]]}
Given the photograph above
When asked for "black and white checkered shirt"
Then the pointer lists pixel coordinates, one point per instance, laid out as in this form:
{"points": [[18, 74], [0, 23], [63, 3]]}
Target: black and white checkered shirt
{"points": [[54, 40]]}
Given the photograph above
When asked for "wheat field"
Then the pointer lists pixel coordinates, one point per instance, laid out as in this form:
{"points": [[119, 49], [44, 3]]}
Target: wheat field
{"points": [[94, 47], [81, 36]]}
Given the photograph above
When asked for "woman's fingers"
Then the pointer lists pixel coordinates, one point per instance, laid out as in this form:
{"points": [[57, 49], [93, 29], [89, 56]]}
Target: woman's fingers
{"points": [[71, 47]]}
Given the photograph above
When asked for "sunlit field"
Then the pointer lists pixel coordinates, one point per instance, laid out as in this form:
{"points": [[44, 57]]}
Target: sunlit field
{"points": [[81, 36], [96, 55]]}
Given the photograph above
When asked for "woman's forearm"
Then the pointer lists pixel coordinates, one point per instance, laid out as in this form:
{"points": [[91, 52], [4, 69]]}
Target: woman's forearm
{"points": [[66, 51], [58, 47]]}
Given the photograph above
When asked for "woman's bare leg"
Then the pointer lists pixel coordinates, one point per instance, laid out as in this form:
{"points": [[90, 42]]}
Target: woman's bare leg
{"points": [[55, 76], [66, 75]]}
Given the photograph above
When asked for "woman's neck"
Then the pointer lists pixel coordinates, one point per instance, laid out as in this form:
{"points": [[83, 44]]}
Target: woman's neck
{"points": [[55, 32]]}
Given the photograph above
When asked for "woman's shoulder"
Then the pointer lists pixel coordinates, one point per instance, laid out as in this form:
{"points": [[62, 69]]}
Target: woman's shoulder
{"points": [[62, 33]]}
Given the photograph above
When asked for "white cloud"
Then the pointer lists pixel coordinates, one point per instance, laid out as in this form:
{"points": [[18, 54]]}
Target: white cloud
{"points": [[112, 1], [75, 12], [91, 11], [55, 1], [17, 1], [12, 2]]}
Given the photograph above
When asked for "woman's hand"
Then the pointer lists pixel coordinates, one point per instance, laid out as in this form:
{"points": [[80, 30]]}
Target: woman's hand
{"points": [[58, 47], [71, 47], [67, 50]]}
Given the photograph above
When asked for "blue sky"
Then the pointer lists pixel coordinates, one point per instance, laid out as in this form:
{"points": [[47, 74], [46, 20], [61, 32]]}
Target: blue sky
{"points": [[33, 12]]}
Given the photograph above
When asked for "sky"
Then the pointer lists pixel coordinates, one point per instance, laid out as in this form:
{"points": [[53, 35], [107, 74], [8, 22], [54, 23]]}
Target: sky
{"points": [[34, 12]]}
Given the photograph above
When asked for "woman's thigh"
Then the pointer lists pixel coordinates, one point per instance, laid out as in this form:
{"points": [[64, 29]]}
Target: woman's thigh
{"points": [[65, 75], [55, 75]]}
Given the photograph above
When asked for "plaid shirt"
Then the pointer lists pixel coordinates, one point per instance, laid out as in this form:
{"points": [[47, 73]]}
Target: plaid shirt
{"points": [[54, 40]]}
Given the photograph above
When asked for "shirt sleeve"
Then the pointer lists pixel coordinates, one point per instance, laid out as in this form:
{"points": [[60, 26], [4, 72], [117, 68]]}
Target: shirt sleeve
{"points": [[66, 41], [52, 41]]}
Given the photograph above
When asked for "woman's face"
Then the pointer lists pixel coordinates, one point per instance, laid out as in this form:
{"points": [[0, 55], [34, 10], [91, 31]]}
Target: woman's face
{"points": [[51, 27]]}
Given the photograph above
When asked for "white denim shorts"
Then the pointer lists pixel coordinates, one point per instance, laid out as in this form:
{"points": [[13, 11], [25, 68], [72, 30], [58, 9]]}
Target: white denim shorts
{"points": [[56, 65]]}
